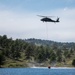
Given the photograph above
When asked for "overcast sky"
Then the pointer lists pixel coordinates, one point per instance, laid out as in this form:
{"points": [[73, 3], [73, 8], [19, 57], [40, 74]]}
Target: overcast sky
{"points": [[18, 19]]}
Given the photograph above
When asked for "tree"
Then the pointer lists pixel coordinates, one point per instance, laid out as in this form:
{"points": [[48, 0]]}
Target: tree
{"points": [[4, 41], [67, 54], [59, 58], [73, 62], [47, 52], [52, 56], [59, 55], [28, 51], [2, 58], [40, 54], [15, 50], [71, 51], [54, 46]]}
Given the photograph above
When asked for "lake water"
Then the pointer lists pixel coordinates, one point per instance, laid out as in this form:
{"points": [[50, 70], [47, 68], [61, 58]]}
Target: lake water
{"points": [[37, 71]]}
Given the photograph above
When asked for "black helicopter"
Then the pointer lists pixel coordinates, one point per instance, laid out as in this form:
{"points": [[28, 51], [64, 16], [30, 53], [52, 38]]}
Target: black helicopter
{"points": [[47, 19]]}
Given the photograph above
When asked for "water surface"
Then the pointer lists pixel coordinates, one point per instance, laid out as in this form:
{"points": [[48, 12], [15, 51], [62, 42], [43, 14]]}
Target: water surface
{"points": [[36, 71]]}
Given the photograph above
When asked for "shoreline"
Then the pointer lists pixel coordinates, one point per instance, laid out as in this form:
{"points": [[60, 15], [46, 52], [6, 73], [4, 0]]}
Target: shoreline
{"points": [[55, 67]]}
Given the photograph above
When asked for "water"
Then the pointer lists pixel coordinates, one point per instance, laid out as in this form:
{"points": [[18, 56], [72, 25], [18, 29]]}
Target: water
{"points": [[36, 71]]}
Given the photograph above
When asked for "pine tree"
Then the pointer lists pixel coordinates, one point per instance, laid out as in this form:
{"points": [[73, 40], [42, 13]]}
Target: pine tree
{"points": [[2, 58], [73, 62]]}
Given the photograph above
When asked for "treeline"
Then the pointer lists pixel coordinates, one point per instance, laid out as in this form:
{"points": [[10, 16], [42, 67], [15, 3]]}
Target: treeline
{"points": [[14, 49], [50, 43]]}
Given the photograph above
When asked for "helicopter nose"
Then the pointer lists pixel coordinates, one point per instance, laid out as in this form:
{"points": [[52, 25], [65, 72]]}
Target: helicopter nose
{"points": [[41, 19]]}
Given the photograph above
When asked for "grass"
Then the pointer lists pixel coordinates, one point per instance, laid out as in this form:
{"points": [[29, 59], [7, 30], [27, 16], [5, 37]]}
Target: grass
{"points": [[15, 63]]}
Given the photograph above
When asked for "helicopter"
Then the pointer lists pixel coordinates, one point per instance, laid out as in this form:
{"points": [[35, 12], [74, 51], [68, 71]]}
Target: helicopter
{"points": [[47, 19]]}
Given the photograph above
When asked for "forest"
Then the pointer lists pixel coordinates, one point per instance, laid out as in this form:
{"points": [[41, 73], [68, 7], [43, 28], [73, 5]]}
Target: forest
{"points": [[23, 52]]}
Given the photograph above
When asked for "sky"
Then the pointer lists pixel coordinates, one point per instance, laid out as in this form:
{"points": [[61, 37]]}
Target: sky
{"points": [[18, 19]]}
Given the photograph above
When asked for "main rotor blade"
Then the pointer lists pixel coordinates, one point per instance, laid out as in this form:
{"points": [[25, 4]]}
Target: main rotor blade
{"points": [[45, 16], [41, 16]]}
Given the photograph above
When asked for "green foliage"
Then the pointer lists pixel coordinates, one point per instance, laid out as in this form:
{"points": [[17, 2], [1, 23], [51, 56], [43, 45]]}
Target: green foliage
{"points": [[29, 51], [41, 54], [2, 58], [39, 50], [73, 62], [59, 55], [52, 56]]}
